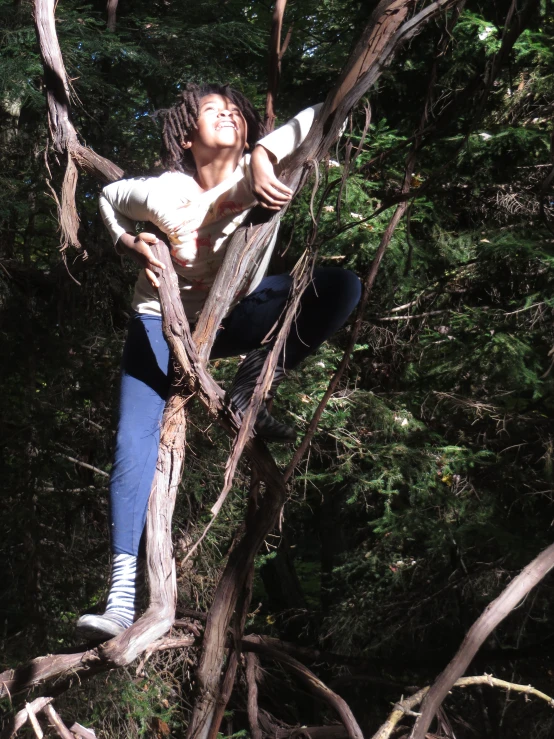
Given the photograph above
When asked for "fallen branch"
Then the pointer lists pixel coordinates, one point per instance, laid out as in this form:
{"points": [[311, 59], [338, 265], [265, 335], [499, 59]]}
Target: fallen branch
{"points": [[57, 723], [14, 724], [312, 683], [406, 707]]}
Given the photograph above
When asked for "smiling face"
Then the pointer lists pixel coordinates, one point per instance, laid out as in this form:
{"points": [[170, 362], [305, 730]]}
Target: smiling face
{"points": [[220, 127]]}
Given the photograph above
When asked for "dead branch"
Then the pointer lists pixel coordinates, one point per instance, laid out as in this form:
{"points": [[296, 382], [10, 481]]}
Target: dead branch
{"points": [[13, 725], [30, 713], [87, 466], [57, 723], [485, 624], [313, 683], [83, 732], [33, 721], [45, 668], [252, 665], [406, 706]]}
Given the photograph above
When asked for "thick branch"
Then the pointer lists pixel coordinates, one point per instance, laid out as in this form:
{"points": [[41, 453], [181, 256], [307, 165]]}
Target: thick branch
{"points": [[111, 10], [252, 703]]}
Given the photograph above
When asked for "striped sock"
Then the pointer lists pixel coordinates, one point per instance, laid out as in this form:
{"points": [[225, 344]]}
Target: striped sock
{"points": [[127, 572]]}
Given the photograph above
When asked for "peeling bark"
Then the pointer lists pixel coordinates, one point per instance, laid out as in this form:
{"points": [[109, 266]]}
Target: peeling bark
{"points": [[62, 131]]}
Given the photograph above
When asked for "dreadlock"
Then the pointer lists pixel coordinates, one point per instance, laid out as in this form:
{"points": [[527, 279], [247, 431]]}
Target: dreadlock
{"points": [[181, 119]]}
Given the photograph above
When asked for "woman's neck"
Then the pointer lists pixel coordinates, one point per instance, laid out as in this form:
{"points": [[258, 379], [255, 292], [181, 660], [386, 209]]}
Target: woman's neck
{"points": [[211, 173]]}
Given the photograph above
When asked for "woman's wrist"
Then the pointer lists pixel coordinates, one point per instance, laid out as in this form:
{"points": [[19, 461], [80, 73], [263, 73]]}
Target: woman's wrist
{"points": [[126, 241]]}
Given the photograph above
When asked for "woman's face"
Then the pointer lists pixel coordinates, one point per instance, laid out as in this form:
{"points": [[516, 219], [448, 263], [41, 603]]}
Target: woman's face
{"points": [[220, 127]]}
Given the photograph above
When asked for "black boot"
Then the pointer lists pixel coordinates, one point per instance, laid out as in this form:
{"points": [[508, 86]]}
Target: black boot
{"points": [[241, 391]]}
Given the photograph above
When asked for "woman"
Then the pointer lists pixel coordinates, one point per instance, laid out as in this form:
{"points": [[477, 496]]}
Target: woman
{"points": [[209, 187]]}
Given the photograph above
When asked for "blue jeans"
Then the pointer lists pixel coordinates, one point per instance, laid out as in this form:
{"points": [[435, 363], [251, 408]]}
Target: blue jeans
{"points": [[146, 378]]}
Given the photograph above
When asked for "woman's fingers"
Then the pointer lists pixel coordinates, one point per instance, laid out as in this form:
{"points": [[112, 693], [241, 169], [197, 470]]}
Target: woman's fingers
{"points": [[147, 237], [151, 276], [151, 264], [270, 197]]}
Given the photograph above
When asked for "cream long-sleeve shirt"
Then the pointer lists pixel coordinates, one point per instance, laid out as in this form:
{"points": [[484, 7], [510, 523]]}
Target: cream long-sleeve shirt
{"points": [[198, 226]]}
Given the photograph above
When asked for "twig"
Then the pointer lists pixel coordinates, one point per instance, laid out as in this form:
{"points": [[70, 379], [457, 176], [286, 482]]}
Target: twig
{"points": [[412, 316], [83, 464]]}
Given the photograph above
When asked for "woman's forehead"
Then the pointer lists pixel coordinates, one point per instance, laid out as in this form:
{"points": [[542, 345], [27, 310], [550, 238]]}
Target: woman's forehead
{"points": [[219, 99]]}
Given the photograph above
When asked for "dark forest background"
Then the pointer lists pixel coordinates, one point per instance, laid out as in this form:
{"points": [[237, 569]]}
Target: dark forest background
{"points": [[429, 484]]}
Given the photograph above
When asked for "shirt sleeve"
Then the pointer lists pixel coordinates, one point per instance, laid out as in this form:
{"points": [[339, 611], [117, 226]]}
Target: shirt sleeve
{"points": [[159, 200], [286, 139], [124, 203]]}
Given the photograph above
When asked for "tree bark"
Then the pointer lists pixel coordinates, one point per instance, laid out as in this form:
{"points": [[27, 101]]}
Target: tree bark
{"points": [[111, 10], [275, 56]]}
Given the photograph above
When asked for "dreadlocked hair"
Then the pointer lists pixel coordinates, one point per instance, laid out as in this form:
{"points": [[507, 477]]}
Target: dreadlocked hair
{"points": [[180, 120]]}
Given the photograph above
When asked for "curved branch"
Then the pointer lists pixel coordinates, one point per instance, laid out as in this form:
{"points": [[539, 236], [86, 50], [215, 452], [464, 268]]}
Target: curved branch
{"points": [[62, 131], [494, 614], [406, 707]]}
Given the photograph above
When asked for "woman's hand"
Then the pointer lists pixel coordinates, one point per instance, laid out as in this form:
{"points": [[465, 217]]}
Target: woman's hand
{"points": [[271, 193], [137, 247]]}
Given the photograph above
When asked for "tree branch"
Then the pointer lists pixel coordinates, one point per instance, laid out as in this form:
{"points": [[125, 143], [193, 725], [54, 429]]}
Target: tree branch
{"points": [[275, 56], [494, 614], [406, 707]]}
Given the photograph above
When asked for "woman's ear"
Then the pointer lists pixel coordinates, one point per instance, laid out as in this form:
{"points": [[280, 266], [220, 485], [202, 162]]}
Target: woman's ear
{"points": [[186, 144], [246, 145]]}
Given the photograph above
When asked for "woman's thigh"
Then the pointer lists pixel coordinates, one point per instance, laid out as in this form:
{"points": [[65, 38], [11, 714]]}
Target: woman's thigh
{"points": [[324, 308], [250, 321]]}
